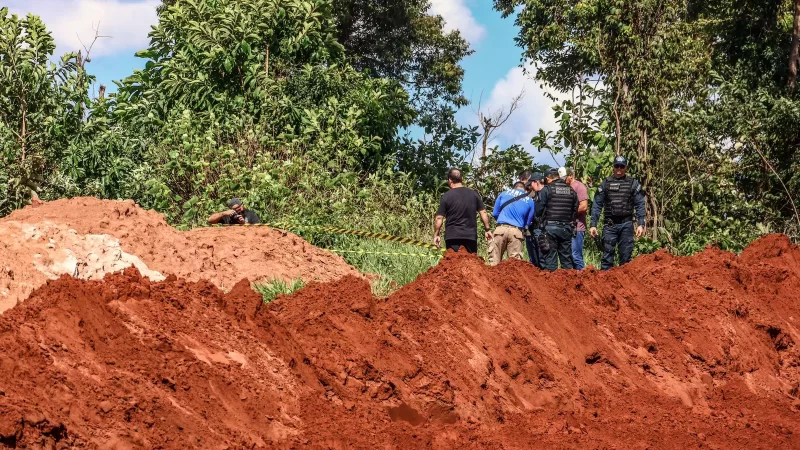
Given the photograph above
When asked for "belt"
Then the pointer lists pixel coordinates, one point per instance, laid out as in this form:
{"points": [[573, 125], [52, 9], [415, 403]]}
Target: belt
{"points": [[509, 226], [619, 220]]}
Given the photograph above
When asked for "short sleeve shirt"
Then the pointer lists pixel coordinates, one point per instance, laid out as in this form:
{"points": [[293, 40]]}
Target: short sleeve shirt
{"points": [[460, 207], [250, 218], [583, 194]]}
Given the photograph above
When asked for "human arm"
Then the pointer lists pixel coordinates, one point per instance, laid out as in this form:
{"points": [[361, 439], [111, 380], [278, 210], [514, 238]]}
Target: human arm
{"points": [[437, 227], [217, 218], [583, 206], [485, 219], [542, 201], [497, 205], [639, 203], [531, 214], [597, 204], [597, 207], [575, 207]]}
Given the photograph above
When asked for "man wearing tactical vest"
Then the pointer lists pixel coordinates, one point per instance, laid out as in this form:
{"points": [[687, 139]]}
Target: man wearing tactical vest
{"points": [[534, 185], [618, 195], [557, 205]]}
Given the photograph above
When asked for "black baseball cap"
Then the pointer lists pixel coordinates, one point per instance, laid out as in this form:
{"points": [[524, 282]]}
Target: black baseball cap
{"points": [[621, 161], [536, 176]]}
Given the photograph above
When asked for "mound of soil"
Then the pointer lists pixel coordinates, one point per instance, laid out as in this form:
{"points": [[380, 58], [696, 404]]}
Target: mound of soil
{"points": [[666, 352], [103, 236]]}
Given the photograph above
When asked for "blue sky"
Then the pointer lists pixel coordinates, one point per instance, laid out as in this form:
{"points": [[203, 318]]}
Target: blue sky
{"points": [[492, 74]]}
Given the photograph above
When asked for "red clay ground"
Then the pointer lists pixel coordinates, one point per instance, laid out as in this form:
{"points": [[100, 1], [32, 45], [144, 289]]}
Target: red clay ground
{"points": [[88, 238], [664, 353]]}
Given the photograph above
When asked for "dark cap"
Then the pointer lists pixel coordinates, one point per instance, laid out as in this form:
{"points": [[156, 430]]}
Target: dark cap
{"points": [[553, 172], [536, 176], [621, 161], [234, 202]]}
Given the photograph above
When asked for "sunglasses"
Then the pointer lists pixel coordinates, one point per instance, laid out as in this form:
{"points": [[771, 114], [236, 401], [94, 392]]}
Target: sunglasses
{"points": [[619, 166]]}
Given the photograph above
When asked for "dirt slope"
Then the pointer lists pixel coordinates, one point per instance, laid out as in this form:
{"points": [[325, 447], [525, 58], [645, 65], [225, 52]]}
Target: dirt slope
{"points": [[87, 237], [666, 352]]}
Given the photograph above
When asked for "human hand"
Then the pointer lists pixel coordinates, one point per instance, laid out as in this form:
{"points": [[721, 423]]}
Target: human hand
{"points": [[437, 241], [241, 220], [639, 231], [593, 232], [488, 235], [229, 213]]}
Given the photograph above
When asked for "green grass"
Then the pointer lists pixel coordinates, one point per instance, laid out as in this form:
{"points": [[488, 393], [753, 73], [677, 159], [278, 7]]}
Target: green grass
{"points": [[390, 271], [271, 289]]}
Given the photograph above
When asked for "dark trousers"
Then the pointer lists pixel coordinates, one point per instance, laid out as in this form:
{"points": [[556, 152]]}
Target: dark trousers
{"points": [[560, 237], [532, 244], [455, 244], [620, 235]]}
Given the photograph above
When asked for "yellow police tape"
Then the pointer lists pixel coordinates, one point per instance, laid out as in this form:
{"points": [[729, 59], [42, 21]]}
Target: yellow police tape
{"points": [[361, 252], [368, 234]]}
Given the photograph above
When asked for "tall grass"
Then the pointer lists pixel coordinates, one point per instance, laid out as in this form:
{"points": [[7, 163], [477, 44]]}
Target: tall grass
{"points": [[271, 289], [388, 271]]}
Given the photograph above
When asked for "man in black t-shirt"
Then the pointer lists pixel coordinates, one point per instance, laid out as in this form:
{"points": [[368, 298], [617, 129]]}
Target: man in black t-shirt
{"points": [[459, 206], [235, 215]]}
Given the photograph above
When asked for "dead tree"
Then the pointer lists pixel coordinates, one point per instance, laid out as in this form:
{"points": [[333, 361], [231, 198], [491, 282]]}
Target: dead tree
{"points": [[490, 121]]}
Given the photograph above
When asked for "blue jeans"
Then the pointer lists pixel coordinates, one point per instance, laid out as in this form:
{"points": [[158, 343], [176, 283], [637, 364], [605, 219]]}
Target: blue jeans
{"points": [[577, 251], [613, 236]]}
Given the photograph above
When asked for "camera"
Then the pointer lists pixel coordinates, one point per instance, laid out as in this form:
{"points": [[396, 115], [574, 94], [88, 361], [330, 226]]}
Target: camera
{"points": [[236, 218]]}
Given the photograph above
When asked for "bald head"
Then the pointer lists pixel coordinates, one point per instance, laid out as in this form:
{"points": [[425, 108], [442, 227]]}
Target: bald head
{"points": [[454, 176]]}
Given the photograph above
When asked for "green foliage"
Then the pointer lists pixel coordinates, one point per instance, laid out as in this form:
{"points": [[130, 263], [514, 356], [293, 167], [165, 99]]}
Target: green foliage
{"points": [[692, 92], [498, 170], [275, 287], [42, 106]]}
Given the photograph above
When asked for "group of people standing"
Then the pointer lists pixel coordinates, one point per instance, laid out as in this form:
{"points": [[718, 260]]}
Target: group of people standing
{"points": [[547, 213]]}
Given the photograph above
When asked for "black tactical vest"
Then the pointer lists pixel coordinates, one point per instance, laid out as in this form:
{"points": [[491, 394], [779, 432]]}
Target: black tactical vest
{"points": [[561, 202], [619, 197]]}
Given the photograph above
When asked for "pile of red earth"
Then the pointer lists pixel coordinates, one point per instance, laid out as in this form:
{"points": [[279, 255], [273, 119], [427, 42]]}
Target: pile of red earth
{"points": [[666, 352], [88, 238]]}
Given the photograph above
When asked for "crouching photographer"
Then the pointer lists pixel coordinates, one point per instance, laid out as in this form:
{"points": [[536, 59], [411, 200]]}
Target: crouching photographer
{"points": [[237, 214]]}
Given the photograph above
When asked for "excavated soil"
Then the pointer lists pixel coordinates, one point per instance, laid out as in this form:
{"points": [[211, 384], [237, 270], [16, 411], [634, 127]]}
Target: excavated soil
{"points": [[663, 353], [87, 238]]}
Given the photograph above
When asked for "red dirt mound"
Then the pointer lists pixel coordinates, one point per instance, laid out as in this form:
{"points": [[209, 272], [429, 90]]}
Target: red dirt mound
{"points": [[666, 352], [87, 237]]}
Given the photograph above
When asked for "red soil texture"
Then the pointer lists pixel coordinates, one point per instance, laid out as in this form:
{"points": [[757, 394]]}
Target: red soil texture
{"points": [[664, 353], [62, 229]]}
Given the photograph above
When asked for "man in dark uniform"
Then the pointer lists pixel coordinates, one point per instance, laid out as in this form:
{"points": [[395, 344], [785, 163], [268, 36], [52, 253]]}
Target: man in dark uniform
{"points": [[619, 195], [557, 205], [534, 184]]}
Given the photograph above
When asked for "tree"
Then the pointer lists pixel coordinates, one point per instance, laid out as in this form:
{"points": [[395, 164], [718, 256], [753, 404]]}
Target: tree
{"points": [[41, 107], [666, 83]]}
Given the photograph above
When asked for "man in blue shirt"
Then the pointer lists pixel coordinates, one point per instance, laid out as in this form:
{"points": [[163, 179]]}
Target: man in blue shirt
{"points": [[514, 211]]}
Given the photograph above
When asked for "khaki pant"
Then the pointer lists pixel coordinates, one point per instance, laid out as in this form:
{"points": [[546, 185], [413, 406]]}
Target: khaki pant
{"points": [[506, 238]]}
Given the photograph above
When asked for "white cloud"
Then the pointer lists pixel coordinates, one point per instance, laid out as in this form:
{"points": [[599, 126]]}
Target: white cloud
{"points": [[71, 22], [458, 16], [535, 111]]}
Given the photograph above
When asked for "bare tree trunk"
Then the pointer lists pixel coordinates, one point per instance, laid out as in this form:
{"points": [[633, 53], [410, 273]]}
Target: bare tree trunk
{"points": [[794, 54], [616, 112], [485, 142], [23, 135]]}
